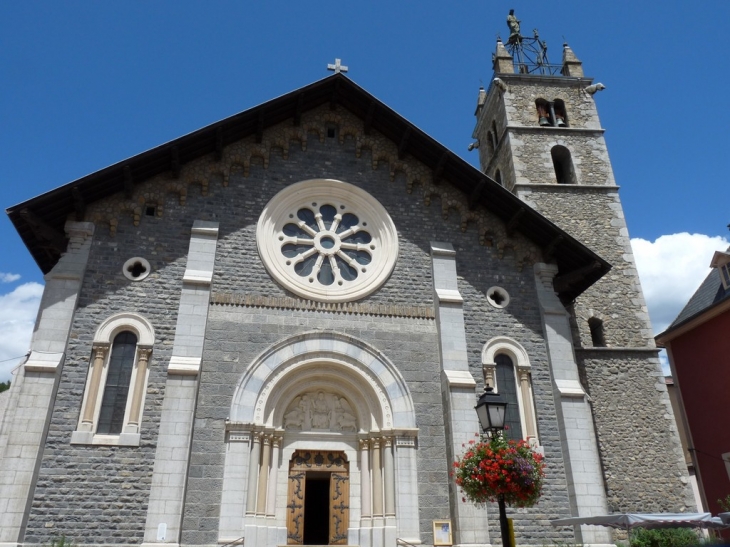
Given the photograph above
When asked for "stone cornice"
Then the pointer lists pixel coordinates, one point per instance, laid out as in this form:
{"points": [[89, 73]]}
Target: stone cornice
{"points": [[555, 130], [555, 186], [617, 350], [289, 303]]}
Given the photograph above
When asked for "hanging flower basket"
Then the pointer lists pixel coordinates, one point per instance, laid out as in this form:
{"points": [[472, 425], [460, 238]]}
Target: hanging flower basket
{"points": [[497, 467]]}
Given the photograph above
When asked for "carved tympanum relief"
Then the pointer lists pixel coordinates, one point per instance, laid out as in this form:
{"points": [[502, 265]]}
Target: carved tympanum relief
{"points": [[320, 410]]}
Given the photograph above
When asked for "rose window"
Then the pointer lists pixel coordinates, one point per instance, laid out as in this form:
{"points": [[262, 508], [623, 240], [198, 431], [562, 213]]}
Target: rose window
{"points": [[325, 244], [327, 240]]}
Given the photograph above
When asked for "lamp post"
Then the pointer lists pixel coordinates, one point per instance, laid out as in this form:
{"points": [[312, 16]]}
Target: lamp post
{"points": [[491, 409]]}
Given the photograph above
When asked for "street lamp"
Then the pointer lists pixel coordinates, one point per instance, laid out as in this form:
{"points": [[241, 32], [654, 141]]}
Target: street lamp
{"points": [[491, 409]]}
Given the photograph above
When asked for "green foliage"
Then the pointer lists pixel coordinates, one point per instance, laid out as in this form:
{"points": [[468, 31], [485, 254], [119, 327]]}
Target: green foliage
{"points": [[62, 542], [725, 503], [667, 537], [4, 386]]}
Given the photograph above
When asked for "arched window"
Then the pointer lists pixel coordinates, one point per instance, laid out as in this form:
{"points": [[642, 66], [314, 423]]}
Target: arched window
{"points": [[111, 410], [114, 401], [563, 163], [498, 177], [507, 386], [490, 145], [597, 335], [551, 113], [544, 115], [507, 369], [495, 135]]}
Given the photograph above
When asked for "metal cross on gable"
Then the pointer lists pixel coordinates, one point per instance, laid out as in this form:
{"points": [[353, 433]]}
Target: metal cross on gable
{"points": [[337, 67]]}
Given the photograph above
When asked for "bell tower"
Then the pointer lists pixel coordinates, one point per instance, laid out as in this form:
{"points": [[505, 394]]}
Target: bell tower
{"points": [[539, 135]]}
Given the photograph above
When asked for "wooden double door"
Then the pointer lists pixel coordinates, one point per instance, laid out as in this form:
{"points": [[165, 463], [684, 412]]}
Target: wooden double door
{"points": [[318, 505]]}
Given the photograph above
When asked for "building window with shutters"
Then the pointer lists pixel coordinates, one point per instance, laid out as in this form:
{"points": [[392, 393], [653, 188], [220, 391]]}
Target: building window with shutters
{"points": [[113, 402]]}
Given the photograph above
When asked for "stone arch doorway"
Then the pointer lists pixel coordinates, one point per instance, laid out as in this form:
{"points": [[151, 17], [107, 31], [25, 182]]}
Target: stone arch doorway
{"points": [[328, 392], [318, 498]]}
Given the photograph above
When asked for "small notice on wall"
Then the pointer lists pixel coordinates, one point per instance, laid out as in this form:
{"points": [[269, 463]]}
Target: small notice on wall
{"points": [[442, 532]]}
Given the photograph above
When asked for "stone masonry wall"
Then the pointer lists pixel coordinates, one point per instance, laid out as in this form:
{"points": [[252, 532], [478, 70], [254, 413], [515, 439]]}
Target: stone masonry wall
{"points": [[410, 343], [533, 162], [636, 440], [594, 216], [99, 494], [522, 92]]}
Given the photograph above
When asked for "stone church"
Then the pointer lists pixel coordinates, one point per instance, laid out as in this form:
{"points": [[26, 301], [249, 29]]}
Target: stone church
{"points": [[273, 331]]}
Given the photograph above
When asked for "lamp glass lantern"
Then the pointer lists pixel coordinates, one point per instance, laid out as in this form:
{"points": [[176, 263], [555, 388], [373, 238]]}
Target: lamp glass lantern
{"points": [[491, 410]]}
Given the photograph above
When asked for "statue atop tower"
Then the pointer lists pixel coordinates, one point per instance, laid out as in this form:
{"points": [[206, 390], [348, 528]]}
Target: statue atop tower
{"points": [[529, 54], [514, 27]]}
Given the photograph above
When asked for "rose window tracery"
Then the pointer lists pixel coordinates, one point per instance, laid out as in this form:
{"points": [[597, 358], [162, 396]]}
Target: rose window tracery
{"points": [[327, 240], [330, 245]]}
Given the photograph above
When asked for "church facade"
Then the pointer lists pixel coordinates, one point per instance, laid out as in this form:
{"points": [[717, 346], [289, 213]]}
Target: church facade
{"points": [[273, 331]]}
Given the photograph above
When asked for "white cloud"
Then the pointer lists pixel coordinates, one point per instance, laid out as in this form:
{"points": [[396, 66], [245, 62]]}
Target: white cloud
{"points": [[8, 277], [19, 308], [671, 269]]}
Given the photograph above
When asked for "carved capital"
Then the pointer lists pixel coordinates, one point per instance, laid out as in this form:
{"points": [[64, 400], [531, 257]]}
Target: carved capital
{"points": [[524, 373], [100, 350], [143, 355], [489, 370], [364, 444]]}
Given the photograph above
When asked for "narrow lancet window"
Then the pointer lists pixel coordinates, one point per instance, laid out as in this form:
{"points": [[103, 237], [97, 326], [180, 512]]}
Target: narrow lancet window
{"points": [[563, 163], [507, 386], [116, 390], [597, 335], [495, 135]]}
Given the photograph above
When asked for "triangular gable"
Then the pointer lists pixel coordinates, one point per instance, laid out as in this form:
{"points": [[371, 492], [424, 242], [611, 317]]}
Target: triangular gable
{"points": [[40, 220]]}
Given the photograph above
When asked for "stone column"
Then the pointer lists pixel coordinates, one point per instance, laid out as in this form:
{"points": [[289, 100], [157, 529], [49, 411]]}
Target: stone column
{"points": [[273, 477], [140, 384], [263, 476], [253, 467], [366, 511], [377, 477], [526, 393], [389, 534], [87, 421], [388, 478]]}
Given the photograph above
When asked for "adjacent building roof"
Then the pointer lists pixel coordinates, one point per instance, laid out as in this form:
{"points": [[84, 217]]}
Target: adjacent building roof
{"points": [[709, 295], [40, 221]]}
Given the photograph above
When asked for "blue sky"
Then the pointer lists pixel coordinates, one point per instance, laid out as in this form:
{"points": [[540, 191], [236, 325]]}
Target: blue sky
{"points": [[87, 84]]}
